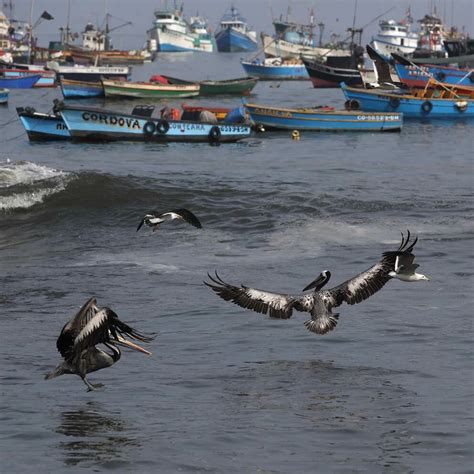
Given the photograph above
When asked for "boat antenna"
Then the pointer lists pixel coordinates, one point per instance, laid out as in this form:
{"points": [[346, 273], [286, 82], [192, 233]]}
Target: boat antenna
{"points": [[363, 28]]}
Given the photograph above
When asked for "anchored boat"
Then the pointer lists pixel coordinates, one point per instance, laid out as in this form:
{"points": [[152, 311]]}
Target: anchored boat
{"points": [[322, 119], [148, 90], [39, 126], [276, 69], [438, 101], [234, 35], [4, 95], [90, 123]]}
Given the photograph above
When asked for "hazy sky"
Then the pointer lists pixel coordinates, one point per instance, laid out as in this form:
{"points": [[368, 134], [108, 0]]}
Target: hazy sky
{"points": [[336, 14]]}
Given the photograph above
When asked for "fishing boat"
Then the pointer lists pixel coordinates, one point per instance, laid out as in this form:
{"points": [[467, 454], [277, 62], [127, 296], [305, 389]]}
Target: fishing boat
{"points": [[432, 102], [234, 35], [4, 95], [334, 71], [80, 89], [91, 73], [40, 126], [276, 69], [395, 37], [47, 79], [148, 90], [413, 75], [241, 85], [322, 119], [90, 124], [26, 82], [172, 33]]}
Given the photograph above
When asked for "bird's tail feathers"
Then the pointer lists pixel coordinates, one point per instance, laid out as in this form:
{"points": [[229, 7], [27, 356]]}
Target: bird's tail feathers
{"points": [[322, 324]]}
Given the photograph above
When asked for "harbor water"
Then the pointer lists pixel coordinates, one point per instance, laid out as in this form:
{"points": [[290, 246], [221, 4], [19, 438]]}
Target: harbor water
{"points": [[226, 389]]}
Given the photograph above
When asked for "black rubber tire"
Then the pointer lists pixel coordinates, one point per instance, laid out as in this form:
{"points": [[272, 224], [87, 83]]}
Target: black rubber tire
{"points": [[149, 128], [162, 127], [214, 134], [394, 102], [354, 104], [441, 76], [426, 106]]}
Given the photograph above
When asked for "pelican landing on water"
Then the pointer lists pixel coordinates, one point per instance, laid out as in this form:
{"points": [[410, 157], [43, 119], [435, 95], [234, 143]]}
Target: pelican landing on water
{"points": [[89, 327], [154, 218], [394, 264]]}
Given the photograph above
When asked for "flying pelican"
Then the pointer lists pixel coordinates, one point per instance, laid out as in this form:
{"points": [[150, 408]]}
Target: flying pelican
{"points": [[89, 327], [154, 218], [320, 302]]}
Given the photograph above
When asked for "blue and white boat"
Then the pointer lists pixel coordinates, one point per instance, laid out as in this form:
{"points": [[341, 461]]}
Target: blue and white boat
{"points": [[234, 35], [40, 126], [418, 103], [80, 89], [26, 82], [4, 95], [91, 124], [322, 119], [47, 78], [276, 69], [172, 33]]}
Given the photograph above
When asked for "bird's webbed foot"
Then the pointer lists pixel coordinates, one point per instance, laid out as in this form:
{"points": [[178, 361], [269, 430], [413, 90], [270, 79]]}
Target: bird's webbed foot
{"points": [[91, 387]]}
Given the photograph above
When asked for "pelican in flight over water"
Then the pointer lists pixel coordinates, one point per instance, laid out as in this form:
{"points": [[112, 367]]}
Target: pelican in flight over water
{"points": [[154, 218], [89, 327], [321, 302]]}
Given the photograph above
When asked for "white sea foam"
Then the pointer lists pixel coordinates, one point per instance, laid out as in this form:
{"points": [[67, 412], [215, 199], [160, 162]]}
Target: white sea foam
{"points": [[44, 181]]}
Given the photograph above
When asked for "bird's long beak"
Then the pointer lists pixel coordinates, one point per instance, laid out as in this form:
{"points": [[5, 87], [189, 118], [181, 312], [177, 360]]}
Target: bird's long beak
{"points": [[131, 345], [314, 283]]}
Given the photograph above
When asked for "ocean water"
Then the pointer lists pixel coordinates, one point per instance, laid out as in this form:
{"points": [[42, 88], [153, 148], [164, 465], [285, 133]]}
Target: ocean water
{"points": [[226, 389]]}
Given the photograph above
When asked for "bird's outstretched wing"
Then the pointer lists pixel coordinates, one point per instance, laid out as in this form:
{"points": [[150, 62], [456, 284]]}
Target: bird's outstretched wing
{"points": [[183, 214], [72, 328], [367, 283], [104, 327], [275, 304]]}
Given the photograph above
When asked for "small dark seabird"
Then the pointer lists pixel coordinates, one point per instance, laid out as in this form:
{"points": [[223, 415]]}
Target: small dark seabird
{"points": [[89, 327], [154, 218], [320, 302]]}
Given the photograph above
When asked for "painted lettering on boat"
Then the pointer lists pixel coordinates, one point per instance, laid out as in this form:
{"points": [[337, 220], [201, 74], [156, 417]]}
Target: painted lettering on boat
{"points": [[185, 127], [276, 113], [378, 118], [112, 120], [61, 126]]}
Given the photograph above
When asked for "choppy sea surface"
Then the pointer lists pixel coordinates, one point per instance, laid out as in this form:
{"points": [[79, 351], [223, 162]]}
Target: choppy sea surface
{"points": [[228, 390]]}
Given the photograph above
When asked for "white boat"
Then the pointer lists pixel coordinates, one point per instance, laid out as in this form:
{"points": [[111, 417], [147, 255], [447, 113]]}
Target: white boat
{"points": [[278, 48], [172, 33], [395, 37]]}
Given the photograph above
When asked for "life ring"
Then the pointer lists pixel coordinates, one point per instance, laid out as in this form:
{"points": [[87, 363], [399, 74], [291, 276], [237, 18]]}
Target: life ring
{"points": [[162, 126], [347, 105], [461, 105], [441, 76], [426, 106], [394, 102], [149, 128], [214, 134]]}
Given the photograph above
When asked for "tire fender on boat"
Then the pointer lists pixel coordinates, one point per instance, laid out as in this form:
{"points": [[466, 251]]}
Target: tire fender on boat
{"points": [[352, 104], [471, 77], [426, 106], [214, 134], [162, 126], [149, 128], [441, 76], [394, 102]]}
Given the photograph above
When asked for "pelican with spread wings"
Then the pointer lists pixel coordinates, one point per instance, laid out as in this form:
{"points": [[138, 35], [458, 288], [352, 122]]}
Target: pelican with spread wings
{"points": [[321, 301], [155, 218], [89, 327]]}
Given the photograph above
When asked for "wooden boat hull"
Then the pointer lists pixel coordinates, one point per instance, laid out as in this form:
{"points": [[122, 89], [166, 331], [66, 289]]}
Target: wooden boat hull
{"points": [[418, 76], [241, 86], [376, 100], [26, 82], [93, 124], [93, 73], [4, 96], [273, 118], [41, 127], [323, 76], [136, 90], [80, 89], [47, 78], [284, 72]]}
